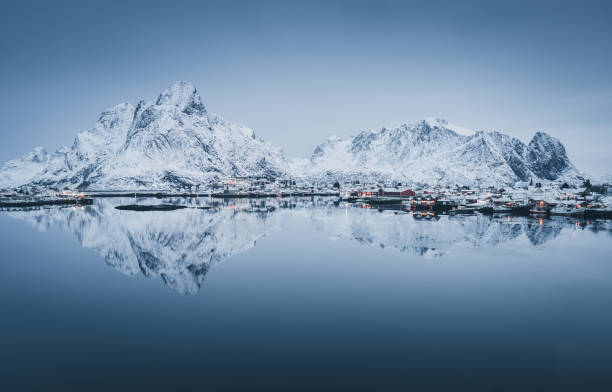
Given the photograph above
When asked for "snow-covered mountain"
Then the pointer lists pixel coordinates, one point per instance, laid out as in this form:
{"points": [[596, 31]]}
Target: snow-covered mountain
{"points": [[168, 143], [435, 152], [23, 170], [173, 142]]}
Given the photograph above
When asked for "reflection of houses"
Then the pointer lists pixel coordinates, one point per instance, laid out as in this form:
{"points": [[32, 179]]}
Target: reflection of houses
{"points": [[423, 202]]}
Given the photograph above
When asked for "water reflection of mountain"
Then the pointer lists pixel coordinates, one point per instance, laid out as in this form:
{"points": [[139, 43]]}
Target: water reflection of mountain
{"points": [[432, 237], [180, 246]]}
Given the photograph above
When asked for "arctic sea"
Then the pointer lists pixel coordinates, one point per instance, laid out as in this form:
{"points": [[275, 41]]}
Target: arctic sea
{"points": [[301, 294]]}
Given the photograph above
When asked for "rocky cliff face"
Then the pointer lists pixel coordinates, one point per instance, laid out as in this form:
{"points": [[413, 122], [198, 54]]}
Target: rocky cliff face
{"points": [[546, 157], [435, 152]]}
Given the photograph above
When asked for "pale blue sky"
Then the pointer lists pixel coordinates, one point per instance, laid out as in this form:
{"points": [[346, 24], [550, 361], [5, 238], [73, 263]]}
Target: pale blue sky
{"points": [[298, 72]]}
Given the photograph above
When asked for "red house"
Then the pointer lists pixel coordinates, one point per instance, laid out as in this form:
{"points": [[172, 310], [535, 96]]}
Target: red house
{"points": [[395, 192]]}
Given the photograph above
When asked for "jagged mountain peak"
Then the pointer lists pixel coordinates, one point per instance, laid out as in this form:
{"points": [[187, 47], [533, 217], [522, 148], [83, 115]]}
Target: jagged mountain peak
{"points": [[435, 122], [38, 154], [547, 156], [183, 96], [117, 116], [171, 142], [544, 137]]}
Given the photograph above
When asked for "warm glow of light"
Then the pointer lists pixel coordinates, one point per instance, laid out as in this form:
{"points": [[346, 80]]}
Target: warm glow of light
{"points": [[541, 221]]}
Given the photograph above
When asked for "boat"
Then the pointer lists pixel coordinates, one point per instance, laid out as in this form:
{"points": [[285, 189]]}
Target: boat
{"points": [[444, 205], [502, 210], [568, 211], [465, 210]]}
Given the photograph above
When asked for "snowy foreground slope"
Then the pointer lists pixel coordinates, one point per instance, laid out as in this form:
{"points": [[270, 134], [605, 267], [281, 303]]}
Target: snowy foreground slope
{"points": [[169, 143], [173, 142], [435, 152]]}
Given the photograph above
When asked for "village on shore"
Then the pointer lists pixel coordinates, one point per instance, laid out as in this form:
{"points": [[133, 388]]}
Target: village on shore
{"points": [[588, 200]]}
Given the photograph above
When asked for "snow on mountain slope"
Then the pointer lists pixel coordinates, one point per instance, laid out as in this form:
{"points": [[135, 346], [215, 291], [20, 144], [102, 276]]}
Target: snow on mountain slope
{"points": [[442, 123], [174, 142], [170, 143], [435, 152], [23, 170]]}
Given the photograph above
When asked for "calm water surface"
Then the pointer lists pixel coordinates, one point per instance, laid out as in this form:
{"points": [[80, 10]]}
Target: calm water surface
{"points": [[301, 295]]}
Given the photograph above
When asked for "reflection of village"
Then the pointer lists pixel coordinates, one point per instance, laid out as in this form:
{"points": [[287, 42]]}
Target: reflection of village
{"points": [[180, 246]]}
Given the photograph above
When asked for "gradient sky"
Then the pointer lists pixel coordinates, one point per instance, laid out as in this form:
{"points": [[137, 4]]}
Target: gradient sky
{"points": [[300, 72]]}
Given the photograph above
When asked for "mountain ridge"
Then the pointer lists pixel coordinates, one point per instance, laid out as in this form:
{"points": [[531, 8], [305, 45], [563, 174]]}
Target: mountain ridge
{"points": [[431, 152], [173, 142], [170, 142]]}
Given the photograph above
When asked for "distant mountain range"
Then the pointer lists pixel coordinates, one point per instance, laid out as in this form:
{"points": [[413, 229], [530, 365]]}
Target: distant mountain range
{"points": [[435, 152], [173, 142]]}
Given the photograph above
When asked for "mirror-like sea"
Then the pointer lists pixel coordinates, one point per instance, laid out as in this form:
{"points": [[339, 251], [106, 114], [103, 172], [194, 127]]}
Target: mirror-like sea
{"points": [[301, 294]]}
